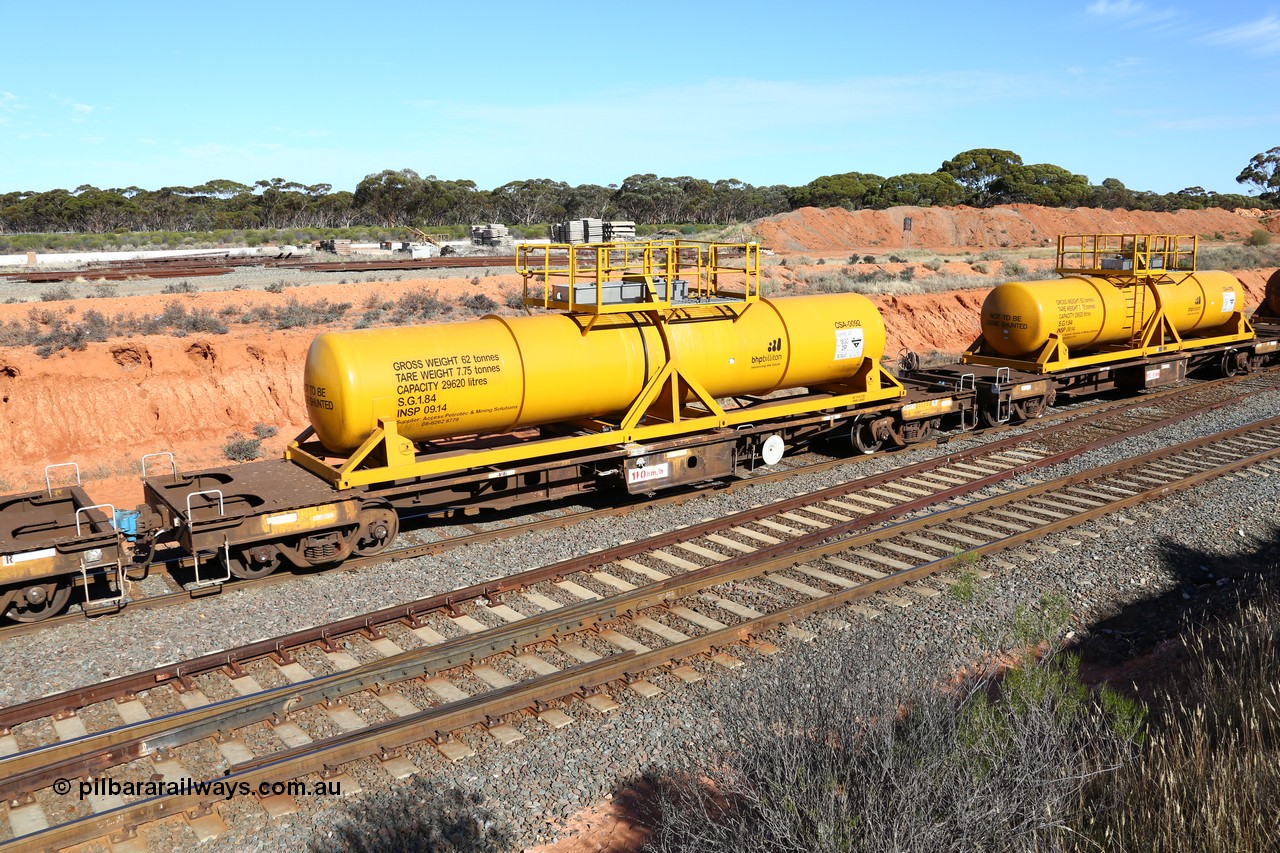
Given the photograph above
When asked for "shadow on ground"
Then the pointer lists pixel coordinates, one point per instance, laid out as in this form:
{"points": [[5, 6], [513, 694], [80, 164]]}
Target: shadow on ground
{"points": [[1209, 587]]}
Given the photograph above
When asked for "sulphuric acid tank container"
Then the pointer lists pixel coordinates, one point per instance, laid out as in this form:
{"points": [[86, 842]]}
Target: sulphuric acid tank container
{"points": [[1090, 311], [1271, 301], [497, 374]]}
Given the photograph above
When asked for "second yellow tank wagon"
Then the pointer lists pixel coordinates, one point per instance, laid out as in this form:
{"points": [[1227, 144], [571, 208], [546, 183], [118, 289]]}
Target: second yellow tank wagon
{"points": [[1120, 295]]}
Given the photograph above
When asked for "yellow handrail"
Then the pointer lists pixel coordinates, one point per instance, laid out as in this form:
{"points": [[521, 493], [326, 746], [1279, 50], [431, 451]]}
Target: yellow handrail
{"points": [[1127, 255], [637, 275]]}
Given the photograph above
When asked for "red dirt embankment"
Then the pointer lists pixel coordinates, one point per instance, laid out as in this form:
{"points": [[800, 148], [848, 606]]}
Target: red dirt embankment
{"points": [[1006, 226]]}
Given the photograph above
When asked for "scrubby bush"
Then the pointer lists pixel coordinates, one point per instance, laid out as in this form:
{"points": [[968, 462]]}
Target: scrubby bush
{"points": [[1013, 268], [1258, 237], [1238, 257], [296, 315], [417, 305], [1208, 777], [241, 448], [60, 293], [264, 431], [479, 303], [850, 747], [183, 286]]}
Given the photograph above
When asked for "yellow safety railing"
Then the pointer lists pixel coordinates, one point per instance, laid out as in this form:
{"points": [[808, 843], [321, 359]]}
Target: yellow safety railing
{"points": [[1126, 255], [607, 278]]}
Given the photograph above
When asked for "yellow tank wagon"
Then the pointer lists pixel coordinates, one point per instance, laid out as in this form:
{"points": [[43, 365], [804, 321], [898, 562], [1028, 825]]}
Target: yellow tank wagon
{"points": [[648, 342], [1121, 296], [1269, 310]]}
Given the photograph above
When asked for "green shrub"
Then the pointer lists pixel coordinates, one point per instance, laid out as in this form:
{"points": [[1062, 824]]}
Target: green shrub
{"points": [[61, 293], [419, 304], [241, 448], [264, 431], [297, 314], [1258, 237], [479, 303], [845, 747], [1240, 257], [183, 286]]}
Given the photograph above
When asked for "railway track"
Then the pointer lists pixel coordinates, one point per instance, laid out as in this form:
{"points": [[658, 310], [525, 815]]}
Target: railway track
{"points": [[1064, 430], [196, 266], [370, 687]]}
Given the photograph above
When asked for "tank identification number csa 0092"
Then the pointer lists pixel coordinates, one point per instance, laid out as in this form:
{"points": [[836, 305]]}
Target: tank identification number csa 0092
{"points": [[426, 387], [849, 338]]}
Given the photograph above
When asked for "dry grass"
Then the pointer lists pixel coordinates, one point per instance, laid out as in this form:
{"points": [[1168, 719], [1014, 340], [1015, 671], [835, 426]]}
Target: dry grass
{"points": [[1208, 778], [850, 748], [846, 747]]}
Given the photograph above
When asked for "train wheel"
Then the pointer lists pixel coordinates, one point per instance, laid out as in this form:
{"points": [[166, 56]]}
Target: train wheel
{"points": [[1230, 365], [989, 418], [256, 562], [1033, 408], [38, 602], [864, 439], [379, 526]]}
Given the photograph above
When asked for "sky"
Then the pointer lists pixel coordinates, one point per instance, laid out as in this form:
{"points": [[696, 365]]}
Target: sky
{"points": [[1160, 95]]}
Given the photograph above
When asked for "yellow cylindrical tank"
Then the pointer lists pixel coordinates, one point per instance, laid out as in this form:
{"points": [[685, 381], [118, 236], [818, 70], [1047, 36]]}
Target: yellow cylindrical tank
{"points": [[1271, 302], [498, 374], [1088, 311]]}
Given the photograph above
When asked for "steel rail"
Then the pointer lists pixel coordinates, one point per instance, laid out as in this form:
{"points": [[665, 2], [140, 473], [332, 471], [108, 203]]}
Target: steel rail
{"points": [[1076, 417], [326, 754], [412, 612]]}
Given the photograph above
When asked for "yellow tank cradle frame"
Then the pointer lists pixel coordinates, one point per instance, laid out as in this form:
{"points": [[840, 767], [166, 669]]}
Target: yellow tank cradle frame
{"points": [[592, 280], [1131, 262]]}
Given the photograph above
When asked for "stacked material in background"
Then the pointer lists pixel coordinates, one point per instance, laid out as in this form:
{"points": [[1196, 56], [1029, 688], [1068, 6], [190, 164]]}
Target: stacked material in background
{"points": [[619, 231], [592, 231], [337, 245], [493, 234]]}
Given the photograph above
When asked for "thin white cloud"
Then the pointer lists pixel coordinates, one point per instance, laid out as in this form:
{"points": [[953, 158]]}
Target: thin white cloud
{"points": [[1260, 37], [84, 109], [1131, 14], [1115, 8], [10, 102]]}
